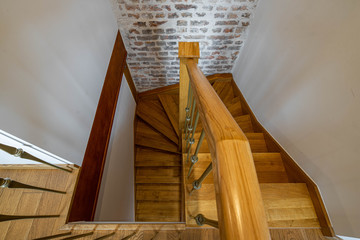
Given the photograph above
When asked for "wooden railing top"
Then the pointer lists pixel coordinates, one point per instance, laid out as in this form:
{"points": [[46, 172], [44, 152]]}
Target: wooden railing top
{"points": [[239, 204]]}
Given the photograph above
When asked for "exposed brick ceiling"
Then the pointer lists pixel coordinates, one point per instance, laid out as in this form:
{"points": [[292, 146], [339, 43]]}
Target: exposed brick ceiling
{"points": [[151, 30]]}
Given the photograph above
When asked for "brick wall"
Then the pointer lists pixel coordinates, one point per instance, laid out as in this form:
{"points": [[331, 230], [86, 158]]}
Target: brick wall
{"points": [[151, 30]]}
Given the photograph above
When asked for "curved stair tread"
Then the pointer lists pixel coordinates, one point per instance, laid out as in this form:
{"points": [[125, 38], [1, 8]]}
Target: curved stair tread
{"points": [[152, 112], [170, 104], [148, 137]]}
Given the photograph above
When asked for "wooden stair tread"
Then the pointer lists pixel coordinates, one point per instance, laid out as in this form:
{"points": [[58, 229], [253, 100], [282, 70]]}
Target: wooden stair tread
{"points": [[150, 158], [170, 104], [287, 205], [152, 112], [158, 175], [298, 234], [158, 192], [256, 140], [158, 211], [269, 168], [244, 122], [235, 109], [148, 137]]}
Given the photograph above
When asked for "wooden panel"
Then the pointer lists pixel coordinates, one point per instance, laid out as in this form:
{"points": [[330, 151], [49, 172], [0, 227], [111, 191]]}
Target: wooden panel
{"points": [[152, 112], [27, 201], [294, 172], [158, 192], [244, 122], [146, 157], [155, 211], [220, 77], [130, 82], [87, 190], [288, 205], [170, 104], [148, 137], [298, 234], [158, 175]]}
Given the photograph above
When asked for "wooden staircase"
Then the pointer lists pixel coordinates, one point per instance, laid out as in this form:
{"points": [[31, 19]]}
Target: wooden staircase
{"points": [[161, 169], [158, 160]]}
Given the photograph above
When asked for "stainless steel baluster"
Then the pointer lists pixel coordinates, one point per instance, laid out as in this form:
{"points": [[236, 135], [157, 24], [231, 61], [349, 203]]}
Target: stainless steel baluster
{"points": [[194, 157], [191, 139], [8, 183], [201, 220], [190, 125], [187, 109], [18, 152], [197, 183]]}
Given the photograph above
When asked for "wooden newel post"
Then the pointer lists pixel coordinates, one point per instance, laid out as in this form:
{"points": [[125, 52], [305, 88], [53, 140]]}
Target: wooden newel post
{"points": [[187, 50]]}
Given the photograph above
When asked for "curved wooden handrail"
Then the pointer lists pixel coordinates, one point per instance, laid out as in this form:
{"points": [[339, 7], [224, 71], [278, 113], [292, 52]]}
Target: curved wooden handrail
{"points": [[239, 204]]}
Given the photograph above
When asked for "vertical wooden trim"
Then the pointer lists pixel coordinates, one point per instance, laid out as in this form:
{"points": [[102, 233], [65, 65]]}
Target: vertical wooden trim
{"points": [[294, 171], [186, 50], [88, 186], [131, 83]]}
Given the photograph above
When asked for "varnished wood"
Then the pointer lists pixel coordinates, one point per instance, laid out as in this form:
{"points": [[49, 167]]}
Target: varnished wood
{"points": [[158, 175], [27, 201], [152, 112], [153, 94], [294, 171], [146, 157], [158, 211], [131, 83], [256, 140], [234, 170], [296, 233], [87, 189], [220, 77], [149, 137], [187, 50], [170, 104]]}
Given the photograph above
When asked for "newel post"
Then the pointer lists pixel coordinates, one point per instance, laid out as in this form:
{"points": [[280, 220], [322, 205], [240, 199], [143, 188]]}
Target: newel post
{"points": [[187, 50]]}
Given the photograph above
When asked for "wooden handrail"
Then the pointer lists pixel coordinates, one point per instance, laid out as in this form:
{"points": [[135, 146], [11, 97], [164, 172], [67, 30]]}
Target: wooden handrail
{"points": [[239, 204]]}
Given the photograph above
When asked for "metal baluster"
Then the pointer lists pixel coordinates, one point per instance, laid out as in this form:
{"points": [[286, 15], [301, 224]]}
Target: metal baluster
{"points": [[197, 183], [191, 139], [78, 236], [53, 236], [201, 220], [187, 109], [105, 236], [18, 152], [194, 157], [190, 126], [8, 183], [4, 218]]}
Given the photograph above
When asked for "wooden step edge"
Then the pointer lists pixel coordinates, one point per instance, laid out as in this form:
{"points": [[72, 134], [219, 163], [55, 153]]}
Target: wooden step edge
{"points": [[130, 226], [150, 125], [157, 149]]}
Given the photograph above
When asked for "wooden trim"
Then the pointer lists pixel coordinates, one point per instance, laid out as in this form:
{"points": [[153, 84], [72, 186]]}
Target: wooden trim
{"points": [[154, 92], [294, 171], [87, 190], [233, 166], [131, 83]]}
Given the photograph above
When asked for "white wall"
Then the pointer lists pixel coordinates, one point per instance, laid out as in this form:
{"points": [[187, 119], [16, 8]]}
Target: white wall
{"points": [[300, 72], [116, 197], [53, 61]]}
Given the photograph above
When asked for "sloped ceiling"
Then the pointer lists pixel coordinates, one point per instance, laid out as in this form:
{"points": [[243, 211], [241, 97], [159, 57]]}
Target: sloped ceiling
{"points": [[151, 30]]}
